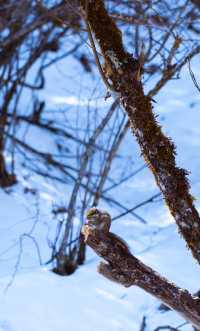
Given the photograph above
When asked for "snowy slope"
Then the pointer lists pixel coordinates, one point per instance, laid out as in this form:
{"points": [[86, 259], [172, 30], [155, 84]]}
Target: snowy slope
{"points": [[41, 300], [37, 299]]}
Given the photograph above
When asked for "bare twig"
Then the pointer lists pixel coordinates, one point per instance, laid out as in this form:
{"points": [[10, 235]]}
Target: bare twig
{"points": [[193, 76]]}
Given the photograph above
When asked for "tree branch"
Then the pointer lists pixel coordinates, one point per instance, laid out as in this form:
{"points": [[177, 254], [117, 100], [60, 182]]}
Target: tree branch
{"points": [[158, 150], [124, 268]]}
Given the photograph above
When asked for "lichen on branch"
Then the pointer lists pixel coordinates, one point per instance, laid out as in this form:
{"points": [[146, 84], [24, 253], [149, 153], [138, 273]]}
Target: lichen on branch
{"points": [[121, 69]]}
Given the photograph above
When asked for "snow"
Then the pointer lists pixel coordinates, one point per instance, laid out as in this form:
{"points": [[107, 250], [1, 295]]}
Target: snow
{"points": [[32, 298], [41, 300]]}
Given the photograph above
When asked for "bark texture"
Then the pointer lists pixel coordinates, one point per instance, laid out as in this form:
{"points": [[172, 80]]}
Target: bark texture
{"points": [[123, 72], [124, 268]]}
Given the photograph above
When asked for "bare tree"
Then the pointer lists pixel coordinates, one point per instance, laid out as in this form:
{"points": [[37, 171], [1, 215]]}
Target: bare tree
{"points": [[36, 34]]}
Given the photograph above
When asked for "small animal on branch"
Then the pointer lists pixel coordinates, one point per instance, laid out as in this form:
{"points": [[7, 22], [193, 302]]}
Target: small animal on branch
{"points": [[101, 220]]}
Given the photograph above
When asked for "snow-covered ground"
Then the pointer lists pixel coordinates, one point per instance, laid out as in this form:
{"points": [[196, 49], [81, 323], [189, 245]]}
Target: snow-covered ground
{"points": [[32, 298], [40, 300]]}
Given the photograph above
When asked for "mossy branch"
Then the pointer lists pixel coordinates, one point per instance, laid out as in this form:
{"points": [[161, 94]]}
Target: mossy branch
{"points": [[158, 150]]}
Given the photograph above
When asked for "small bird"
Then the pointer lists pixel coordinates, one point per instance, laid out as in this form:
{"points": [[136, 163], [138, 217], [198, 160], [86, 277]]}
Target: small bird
{"points": [[100, 220]]}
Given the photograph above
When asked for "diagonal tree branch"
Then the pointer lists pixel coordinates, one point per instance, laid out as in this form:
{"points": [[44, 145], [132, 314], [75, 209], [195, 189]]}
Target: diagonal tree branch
{"points": [[124, 268], [123, 71]]}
